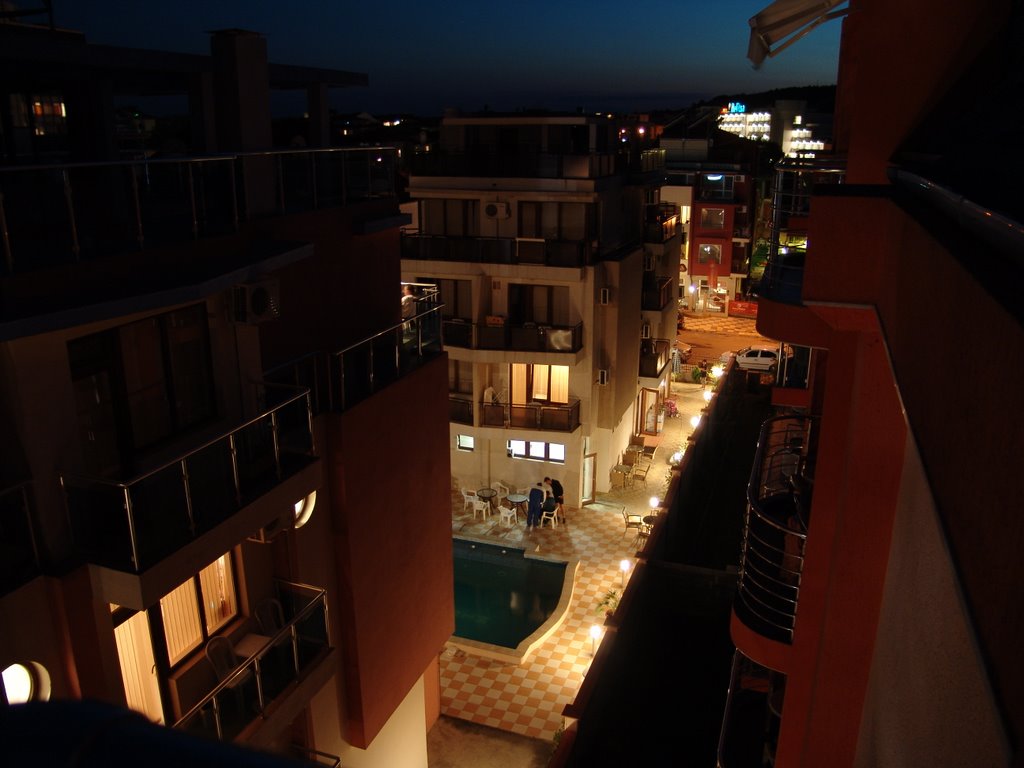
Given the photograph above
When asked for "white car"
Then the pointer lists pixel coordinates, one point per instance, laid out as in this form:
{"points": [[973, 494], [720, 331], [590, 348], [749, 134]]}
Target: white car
{"points": [[754, 359]]}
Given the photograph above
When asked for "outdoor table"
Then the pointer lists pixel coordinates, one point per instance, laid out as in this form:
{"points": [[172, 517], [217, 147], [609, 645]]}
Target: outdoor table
{"points": [[487, 494], [624, 470], [519, 500]]}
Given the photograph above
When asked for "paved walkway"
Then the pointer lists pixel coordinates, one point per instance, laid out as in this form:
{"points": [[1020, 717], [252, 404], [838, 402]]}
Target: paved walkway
{"points": [[528, 698], [716, 322]]}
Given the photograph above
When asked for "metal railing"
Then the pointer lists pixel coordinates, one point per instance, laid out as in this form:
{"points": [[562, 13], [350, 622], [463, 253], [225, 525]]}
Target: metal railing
{"points": [[753, 715], [655, 354], [285, 658], [364, 368], [132, 524], [655, 297], [497, 250], [19, 552], [525, 337], [52, 215], [775, 528], [546, 416], [794, 184], [460, 409]]}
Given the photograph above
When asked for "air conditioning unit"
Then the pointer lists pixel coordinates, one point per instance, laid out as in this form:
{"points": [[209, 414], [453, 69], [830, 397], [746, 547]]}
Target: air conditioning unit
{"points": [[645, 331], [648, 262], [602, 376], [496, 210], [604, 296], [256, 302]]}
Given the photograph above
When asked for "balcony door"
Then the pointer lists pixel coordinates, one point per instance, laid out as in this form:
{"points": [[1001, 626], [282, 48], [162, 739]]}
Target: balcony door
{"points": [[647, 412], [138, 666], [539, 383]]}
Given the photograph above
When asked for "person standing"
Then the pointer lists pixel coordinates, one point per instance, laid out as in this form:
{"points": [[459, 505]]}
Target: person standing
{"points": [[558, 493], [533, 508]]}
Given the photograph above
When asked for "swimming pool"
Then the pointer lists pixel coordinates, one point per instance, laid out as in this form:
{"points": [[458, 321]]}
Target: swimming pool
{"points": [[506, 604]]}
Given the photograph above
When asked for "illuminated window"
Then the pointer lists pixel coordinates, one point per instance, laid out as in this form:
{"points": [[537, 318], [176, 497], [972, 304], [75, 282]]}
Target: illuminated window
{"points": [[536, 450], [708, 253], [185, 626], [465, 442]]}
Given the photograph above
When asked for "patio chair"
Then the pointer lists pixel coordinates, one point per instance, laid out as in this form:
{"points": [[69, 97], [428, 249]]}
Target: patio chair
{"points": [[468, 498], [483, 507], [509, 516], [640, 473], [632, 520]]}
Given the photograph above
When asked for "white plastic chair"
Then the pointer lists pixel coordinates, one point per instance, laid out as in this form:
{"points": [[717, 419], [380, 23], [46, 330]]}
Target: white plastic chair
{"points": [[551, 515], [509, 516], [483, 507], [502, 490], [468, 499]]}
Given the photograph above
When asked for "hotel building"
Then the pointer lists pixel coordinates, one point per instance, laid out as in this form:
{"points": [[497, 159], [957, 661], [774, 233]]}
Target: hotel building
{"points": [[203, 372]]}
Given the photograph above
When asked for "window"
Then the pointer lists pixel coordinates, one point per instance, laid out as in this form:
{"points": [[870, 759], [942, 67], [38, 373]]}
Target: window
{"points": [[185, 626], [716, 186], [539, 451], [456, 297], [540, 383], [450, 217], [542, 304], [708, 253], [555, 221], [464, 442], [460, 376], [712, 218]]}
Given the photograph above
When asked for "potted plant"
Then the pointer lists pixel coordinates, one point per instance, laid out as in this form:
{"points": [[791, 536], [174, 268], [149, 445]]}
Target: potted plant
{"points": [[609, 602]]}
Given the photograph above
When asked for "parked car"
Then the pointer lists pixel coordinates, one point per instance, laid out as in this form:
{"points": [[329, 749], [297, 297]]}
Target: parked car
{"points": [[754, 359]]}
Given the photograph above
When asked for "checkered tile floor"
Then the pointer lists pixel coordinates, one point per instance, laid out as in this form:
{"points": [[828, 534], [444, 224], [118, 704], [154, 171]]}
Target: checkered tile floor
{"points": [[528, 699]]}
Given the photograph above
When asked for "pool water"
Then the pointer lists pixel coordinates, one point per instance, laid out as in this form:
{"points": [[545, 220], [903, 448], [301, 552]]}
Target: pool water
{"points": [[501, 596]]}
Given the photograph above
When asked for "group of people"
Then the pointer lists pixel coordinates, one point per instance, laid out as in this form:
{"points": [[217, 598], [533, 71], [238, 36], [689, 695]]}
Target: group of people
{"points": [[545, 496]]}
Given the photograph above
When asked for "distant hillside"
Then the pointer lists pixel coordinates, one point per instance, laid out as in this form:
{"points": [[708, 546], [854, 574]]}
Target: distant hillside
{"points": [[819, 98]]}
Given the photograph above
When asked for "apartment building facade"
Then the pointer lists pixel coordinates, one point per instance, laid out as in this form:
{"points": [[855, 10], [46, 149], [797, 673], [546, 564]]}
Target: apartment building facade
{"points": [[202, 366], [556, 264]]}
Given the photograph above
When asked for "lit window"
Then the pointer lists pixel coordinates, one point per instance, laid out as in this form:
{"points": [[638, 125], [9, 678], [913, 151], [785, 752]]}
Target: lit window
{"points": [[517, 449], [536, 450], [556, 452], [185, 626], [464, 442], [708, 253]]}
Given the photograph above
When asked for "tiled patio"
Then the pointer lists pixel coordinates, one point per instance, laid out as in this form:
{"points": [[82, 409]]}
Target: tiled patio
{"points": [[528, 699]]}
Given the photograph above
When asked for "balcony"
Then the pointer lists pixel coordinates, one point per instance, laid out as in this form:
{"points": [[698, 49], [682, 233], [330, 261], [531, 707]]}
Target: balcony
{"points": [[775, 528], [532, 166], [132, 524], [661, 222], [543, 416], [64, 214], [655, 354], [460, 409], [19, 556], [657, 294], [794, 185], [245, 700], [753, 715], [498, 250], [527, 337]]}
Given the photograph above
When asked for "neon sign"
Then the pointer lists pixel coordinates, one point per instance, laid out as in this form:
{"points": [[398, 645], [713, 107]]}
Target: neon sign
{"points": [[736, 108]]}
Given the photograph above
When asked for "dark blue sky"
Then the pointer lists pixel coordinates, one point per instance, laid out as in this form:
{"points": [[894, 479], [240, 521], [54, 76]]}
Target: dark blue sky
{"points": [[423, 57]]}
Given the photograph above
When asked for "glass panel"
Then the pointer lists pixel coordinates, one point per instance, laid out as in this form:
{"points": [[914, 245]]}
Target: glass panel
{"points": [[540, 382], [559, 384], [537, 450], [712, 218], [180, 612], [517, 447], [218, 587], [518, 383], [556, 452]]}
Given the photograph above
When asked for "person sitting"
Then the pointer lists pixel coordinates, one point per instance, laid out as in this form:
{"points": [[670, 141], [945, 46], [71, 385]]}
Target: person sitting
{"points": [[558, 493]]}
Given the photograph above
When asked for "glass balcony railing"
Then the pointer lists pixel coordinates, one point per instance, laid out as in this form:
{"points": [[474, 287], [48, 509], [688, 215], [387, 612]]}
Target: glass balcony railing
{"points": [[550, 416], [460, 409], [795, 182], [504, 165], [285, 659], [19, 555], [62, 214], [658, 294], [497, 250], [775, 527], [655, 354], [753, 715], [526, 337], [132, 524]]}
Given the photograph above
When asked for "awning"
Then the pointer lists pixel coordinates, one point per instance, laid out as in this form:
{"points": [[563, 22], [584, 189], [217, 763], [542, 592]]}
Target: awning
{"points": [[784, 22]]}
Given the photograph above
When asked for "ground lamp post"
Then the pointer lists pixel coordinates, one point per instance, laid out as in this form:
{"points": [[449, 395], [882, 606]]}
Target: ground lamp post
{"points": [[595, 633], [624, 567]]}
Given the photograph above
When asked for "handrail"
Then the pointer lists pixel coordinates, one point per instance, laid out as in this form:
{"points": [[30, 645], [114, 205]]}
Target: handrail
{"points": [[318, 602], [166, 465]]}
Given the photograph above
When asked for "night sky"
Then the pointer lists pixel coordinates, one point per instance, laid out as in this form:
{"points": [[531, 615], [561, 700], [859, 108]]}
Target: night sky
{"points": [[424, 57]]}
